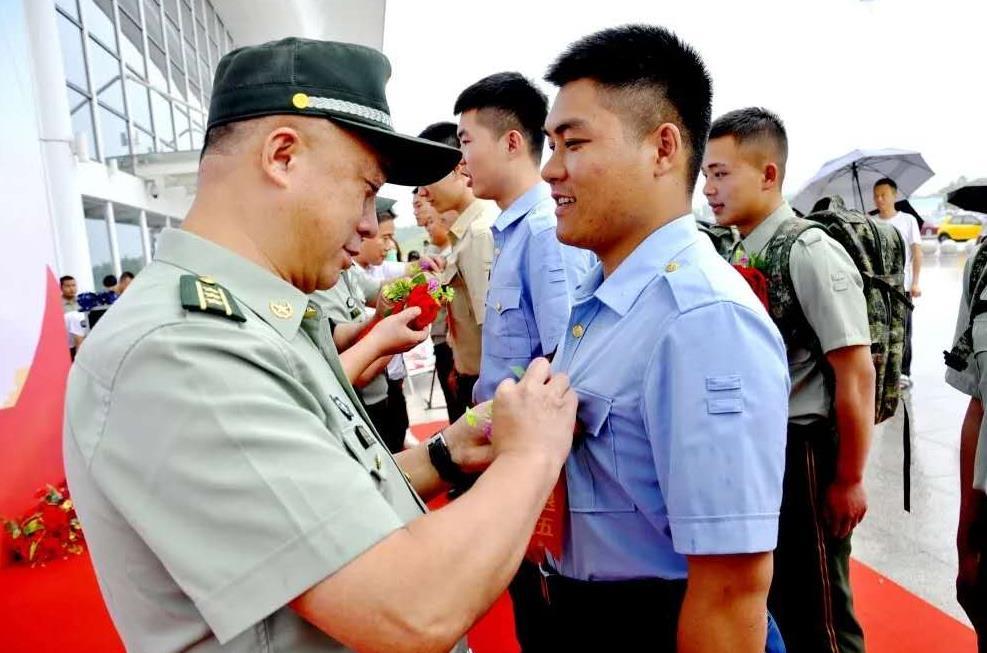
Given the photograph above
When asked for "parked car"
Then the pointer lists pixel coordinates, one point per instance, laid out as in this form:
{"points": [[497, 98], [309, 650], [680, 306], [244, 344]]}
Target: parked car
{"points": [[959, 228]]}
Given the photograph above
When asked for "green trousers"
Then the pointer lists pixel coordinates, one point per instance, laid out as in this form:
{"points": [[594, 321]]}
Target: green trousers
{"points": [[810, 594]]}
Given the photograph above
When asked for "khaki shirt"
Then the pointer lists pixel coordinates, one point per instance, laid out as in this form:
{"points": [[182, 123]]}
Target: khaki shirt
{"points": [[345, 303], [831, 293], [221, 469], [973, 380], [468, 272]]}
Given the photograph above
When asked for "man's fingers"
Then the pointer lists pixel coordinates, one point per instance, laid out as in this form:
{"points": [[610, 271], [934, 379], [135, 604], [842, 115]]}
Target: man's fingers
{"points": [[559, 385], [538, 372]]}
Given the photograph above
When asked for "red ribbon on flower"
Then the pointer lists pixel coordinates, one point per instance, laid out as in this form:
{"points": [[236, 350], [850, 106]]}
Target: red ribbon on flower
{"points": [[757, 281], [551, 525]]}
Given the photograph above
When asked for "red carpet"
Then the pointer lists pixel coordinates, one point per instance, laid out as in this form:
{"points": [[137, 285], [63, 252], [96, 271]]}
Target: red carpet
{"points": [[58, 608]]}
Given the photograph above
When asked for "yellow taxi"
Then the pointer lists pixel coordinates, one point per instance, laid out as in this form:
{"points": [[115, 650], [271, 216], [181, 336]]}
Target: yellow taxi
{"points": [[959, 227]]}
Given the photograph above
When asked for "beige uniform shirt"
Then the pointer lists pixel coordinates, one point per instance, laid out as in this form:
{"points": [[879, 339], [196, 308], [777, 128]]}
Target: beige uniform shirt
{"points": [[468, 272], [973, 380], [221, 468], [831, 293]]}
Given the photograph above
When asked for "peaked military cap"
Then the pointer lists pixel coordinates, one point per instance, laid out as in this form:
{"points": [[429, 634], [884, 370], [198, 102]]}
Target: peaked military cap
{"points": [[339, 81]]}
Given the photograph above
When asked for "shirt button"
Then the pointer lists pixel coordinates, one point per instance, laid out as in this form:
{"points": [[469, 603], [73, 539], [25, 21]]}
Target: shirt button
{"points": [[497, 251], [672, 267], [377, 462], [499, 307], [578, 331]]}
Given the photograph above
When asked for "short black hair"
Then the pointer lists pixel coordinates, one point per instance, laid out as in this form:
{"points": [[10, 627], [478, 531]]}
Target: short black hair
{"points": [[127, 275], [664, 79], [506, 101], [109, 281], [63, 279], [441, 132], [886, 181], [386, 216], [754, 124]]}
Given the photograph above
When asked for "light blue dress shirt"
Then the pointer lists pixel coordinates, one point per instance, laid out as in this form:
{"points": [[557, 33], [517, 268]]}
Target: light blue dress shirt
{"points": [[532, 282], [683, 399]]}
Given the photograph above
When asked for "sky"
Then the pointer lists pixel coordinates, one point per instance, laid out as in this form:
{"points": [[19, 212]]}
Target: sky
{"points": [[842, 74]]}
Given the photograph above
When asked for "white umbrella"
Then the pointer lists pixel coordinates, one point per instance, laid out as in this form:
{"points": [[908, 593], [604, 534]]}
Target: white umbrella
{"points": [[852, 177]]}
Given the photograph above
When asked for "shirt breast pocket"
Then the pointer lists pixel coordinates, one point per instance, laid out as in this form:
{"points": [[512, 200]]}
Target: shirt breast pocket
{"points": [[366, 449], [591, 470], [506, 321]]}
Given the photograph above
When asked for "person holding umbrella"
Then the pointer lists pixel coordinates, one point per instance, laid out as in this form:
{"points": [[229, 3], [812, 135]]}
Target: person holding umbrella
{"points": [[885, 191]]}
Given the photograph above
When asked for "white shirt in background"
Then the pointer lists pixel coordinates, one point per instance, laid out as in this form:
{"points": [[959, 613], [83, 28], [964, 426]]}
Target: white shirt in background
{"points": [[907, 226]]}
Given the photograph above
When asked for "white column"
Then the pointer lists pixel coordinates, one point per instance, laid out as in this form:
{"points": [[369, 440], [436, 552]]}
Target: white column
{"points": [[145, 237], [55, 127], [111, 232]]}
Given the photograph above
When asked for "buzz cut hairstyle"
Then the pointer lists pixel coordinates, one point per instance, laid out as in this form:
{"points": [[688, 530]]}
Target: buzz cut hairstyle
{"points": [[442, 132], [755, 125], [886, 181], [386, 216], [655, 77], [508, 101]]}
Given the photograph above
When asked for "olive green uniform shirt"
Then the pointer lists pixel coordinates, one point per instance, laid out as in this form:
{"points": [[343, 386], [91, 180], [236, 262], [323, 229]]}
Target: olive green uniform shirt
{"points": [[344, 303], [221, 468], [973, 380], [831, 293]]}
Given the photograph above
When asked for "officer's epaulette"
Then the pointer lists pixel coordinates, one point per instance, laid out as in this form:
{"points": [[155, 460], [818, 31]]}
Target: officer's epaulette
{"points": [[204, 295]]}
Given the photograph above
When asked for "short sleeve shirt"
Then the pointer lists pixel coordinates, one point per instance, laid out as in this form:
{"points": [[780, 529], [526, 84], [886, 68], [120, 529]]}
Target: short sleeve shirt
{"points": [[908, 227], [683, 398], [221, 468], [830, 292], [972, 381]]}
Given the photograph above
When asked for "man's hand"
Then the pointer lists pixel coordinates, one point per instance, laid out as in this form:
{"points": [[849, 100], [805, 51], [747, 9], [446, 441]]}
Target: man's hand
{"points": [[392, 335], [428, 264], [470, 447], [916, 291], [846, 505], [536, 415]]}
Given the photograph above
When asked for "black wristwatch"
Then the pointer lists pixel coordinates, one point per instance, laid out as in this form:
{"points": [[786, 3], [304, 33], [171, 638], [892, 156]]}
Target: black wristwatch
{"points": [[441, 457]]}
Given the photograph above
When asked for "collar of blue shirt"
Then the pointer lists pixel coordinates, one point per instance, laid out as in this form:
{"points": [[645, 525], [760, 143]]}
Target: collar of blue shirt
{"points": [[522, 206], [649, 259]]}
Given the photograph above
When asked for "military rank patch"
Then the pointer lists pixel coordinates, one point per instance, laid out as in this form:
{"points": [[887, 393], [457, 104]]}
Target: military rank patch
{"points": [[204, 295]]}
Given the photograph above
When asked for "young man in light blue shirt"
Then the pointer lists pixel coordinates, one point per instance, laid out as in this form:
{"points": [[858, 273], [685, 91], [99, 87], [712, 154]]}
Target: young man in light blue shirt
{"points": [[533, 276], [682, 379]]}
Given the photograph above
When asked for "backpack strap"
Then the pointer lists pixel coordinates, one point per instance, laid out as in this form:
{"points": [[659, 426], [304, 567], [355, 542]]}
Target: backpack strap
{"points": [[786, 311], [958, 356]]}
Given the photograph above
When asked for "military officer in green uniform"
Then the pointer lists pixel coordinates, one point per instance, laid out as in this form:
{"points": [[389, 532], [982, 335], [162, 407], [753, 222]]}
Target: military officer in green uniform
{"points": [[233, 493]]}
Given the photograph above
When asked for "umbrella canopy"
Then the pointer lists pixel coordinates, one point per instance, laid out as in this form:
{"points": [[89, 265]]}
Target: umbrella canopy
{"points": [[852, 177], [972, 197]]}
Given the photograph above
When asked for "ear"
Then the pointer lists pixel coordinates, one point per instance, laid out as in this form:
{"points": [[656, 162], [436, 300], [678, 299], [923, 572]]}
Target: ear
{"points": [[770, 176], [667, 141], [280, 154], [515, 142]]}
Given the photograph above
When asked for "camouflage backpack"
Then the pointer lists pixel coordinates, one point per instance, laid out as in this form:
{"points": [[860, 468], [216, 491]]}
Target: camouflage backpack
{"points": [[976, 285], [878, 251]]}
